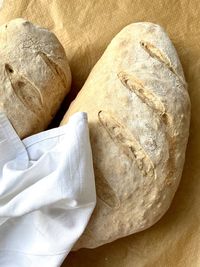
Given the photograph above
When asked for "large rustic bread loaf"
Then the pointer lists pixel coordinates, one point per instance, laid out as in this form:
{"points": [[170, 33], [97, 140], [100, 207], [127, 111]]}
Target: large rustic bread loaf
{"points": [[34, 75], [139, 112]]}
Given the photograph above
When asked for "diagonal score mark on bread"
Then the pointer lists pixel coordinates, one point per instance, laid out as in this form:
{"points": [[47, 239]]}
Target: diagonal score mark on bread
{"points": [[147, 96], [134, 85], [104, 190], [127, 143], [25, 90], [56, 70], [156, 53]]}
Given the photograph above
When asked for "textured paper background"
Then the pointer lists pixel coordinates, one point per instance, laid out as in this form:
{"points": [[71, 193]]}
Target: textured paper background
{"points": [[85, 28]]}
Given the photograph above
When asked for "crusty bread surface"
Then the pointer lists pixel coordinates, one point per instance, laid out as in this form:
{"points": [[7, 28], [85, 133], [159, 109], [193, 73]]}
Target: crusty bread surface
{"points": [[139, 113]]}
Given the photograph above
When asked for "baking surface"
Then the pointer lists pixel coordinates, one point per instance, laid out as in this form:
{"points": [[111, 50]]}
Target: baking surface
{"points": [[85, 28]]}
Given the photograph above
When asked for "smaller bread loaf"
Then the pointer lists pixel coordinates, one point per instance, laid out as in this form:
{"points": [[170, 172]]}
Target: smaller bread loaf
{"points": [[139, 113], [34, 75]]}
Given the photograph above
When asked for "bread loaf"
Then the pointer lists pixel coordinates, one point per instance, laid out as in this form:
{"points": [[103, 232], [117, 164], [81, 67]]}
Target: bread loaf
{"points": [[139, 113], [34, 75]]}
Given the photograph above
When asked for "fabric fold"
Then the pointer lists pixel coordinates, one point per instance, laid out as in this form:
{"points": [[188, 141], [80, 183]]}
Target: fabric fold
{"points": [[47, 192]]}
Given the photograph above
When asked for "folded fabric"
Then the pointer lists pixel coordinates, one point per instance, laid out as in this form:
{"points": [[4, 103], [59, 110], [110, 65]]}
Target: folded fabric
{"points": [[47, 192]]}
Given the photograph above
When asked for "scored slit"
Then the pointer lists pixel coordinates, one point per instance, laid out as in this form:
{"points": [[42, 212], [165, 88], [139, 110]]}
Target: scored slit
{"points": [[104, 191], [134, 85], [156, 53], [28, 93], [127, 143], [146, 95], [56, 70]]}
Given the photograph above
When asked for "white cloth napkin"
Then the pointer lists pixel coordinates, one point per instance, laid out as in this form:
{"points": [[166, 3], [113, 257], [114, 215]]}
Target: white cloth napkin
{"points": [[47, 193]]}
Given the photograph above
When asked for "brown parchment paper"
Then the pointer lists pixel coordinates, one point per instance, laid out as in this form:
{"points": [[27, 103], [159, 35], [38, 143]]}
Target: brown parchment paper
{"points": [[85, 27]]}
